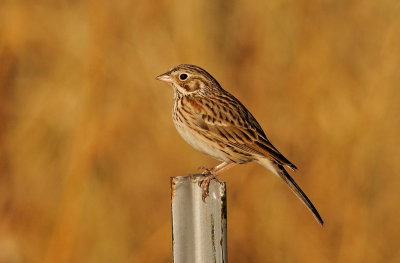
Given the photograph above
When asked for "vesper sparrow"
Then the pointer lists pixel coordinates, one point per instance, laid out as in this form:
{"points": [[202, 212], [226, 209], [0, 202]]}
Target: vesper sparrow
{"points": [[214, 122]]}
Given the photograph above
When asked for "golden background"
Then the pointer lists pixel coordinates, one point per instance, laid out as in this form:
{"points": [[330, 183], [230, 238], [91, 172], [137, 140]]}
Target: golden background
{"points": [[88, 144]]}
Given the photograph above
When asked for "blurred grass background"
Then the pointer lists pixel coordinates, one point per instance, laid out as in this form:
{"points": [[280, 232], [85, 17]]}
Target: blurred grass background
{"points": [[88, 144]]}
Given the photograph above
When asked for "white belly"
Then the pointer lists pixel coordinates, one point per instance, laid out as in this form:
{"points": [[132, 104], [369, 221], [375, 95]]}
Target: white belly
{"points": [[200, 143]]}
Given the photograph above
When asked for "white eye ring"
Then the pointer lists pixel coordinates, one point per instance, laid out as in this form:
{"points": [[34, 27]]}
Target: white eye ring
{"points": [[183, 76]]}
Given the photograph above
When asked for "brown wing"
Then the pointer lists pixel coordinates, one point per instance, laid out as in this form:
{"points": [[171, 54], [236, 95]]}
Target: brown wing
{"points": [[226, 119]]}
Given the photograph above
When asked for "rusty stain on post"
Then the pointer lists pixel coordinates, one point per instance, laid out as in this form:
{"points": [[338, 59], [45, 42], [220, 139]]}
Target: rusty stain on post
{"points": [[198, 228], [172, 188]]}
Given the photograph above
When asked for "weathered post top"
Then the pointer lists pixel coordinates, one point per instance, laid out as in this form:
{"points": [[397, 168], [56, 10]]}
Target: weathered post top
{"points": [[198, 228]]}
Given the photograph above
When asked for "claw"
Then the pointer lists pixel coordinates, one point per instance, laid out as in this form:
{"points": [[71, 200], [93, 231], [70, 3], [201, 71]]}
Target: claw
{"points": [[204, 184], [206, 171]]}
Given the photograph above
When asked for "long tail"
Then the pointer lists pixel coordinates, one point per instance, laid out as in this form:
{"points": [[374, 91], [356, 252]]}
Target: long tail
{"points": [[279, 170]]}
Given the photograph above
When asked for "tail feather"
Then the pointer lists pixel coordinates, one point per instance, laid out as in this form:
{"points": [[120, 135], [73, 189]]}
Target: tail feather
{"points": [[292, 167], [282, 173]]}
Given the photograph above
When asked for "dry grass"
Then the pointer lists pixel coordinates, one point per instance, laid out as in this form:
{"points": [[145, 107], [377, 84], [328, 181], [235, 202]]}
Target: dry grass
{"points": [[88, 145]]}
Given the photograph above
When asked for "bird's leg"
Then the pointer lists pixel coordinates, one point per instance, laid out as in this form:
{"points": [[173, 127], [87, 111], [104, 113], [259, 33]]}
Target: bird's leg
{"points": [[211, 174]]}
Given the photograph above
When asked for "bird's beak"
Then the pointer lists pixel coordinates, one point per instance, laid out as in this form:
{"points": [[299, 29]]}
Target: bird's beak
{"points": [[165, 77]]}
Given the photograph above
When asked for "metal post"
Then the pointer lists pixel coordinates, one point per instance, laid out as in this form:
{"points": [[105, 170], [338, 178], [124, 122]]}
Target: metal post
{"points": [[198, 228]]}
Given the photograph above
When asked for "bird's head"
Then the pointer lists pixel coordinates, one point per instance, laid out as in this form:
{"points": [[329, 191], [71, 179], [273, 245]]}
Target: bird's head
{"points": [[189, 79]]}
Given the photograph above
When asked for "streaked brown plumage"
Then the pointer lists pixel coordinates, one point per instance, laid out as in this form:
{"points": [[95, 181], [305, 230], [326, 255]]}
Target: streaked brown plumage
{"points": [[214, 122]]}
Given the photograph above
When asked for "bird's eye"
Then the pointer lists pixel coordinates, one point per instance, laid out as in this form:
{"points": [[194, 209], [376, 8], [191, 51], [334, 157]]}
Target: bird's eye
{"points": [[183, 76]]}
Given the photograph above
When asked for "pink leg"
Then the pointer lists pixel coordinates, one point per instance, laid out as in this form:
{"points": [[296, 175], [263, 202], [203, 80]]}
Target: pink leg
{"points": [[211, 174]]}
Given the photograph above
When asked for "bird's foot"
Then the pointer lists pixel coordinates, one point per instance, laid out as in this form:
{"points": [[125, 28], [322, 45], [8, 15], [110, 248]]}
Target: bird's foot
{"points": [[206, 171], [204, 184]]}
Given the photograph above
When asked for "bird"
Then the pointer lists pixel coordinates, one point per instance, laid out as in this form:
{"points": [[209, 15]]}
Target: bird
{"points": [[214, 122]]}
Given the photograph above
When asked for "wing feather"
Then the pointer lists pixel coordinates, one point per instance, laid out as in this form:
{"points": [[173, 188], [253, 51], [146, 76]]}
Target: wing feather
{"points": [[229, 121]]}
